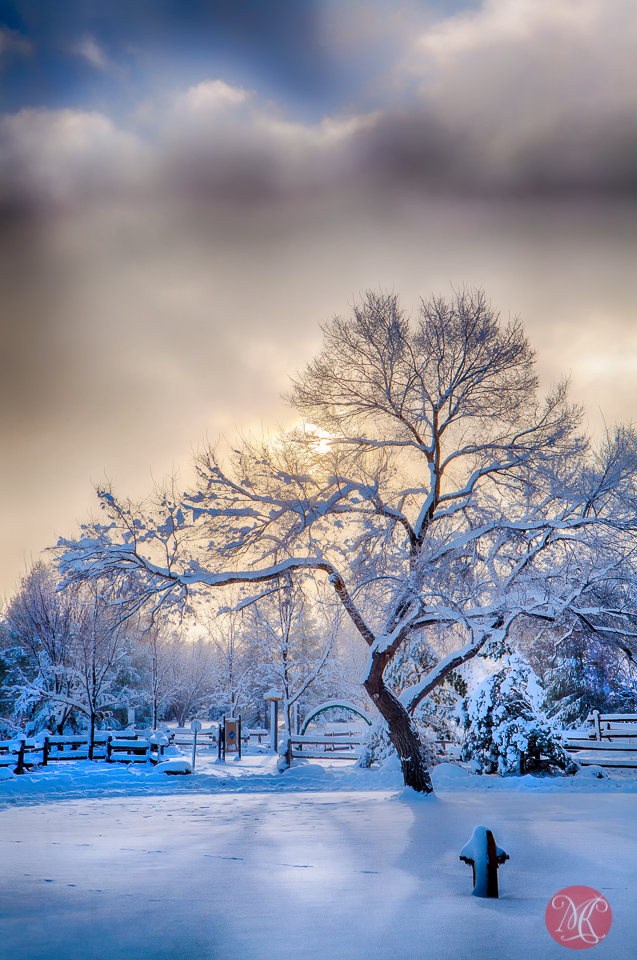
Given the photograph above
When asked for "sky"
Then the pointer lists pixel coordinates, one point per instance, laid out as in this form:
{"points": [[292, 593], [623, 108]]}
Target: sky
{"points": [[188, 189]]}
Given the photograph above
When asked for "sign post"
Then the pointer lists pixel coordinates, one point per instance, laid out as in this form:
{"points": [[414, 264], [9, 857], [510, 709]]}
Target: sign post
{"points": [[229, 736], [195, 726], [274, 697]]}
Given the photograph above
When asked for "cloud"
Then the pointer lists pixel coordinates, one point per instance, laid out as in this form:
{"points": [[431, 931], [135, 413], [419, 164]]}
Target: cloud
{"points": [[533, 94], [162, 276], [13, 42], [210, 96], [89, 50], [519, 98], [65, 156]]}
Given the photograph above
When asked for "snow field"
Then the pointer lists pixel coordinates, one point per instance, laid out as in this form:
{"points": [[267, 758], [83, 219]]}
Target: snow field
{"points": [[308, 871]]}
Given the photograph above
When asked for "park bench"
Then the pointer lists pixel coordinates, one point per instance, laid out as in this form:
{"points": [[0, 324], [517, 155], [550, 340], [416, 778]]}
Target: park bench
{"points": [[133, 749], [334, 745], [74, 746], [183, 737], [612, 726], [322, 747], [258, 733], [23, 753]]}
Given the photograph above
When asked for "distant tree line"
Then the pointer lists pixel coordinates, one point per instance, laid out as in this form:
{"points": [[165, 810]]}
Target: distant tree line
{"points": [[71, 659]]}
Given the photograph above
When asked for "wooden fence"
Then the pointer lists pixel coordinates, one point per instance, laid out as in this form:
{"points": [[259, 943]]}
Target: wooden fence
{"points": [[610, 741], [134, 745]]}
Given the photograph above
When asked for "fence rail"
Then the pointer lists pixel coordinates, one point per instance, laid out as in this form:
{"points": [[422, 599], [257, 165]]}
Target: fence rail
{"points": [[609, 741], [133, 745], [22, 753]]}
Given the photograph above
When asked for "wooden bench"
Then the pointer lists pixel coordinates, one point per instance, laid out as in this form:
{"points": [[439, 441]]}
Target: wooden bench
{"points": [[136, 749], [258, 733], [335, 746], [612, 726], [75, 746], [23, 753], [332, 748], [183, 737]]}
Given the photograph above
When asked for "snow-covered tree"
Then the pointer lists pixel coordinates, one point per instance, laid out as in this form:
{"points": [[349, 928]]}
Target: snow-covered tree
{"points": [[296, 644], [236, 664], [584, 672], [193, 679], [40, 628], [102, 671], [156, 653], [68, 656], [434, 490], [506, 729]]}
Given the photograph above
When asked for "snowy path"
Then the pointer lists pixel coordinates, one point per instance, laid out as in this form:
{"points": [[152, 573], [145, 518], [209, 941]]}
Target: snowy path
{"points": [[307, 876]]}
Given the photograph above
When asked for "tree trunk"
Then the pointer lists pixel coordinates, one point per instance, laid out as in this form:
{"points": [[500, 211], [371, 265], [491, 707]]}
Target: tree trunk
{"points": [[402, 733]]}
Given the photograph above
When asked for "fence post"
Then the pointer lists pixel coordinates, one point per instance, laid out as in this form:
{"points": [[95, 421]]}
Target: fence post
{"points": [[222, 740], [20, 767], [598, 729], [274, 725], [195, 726]]}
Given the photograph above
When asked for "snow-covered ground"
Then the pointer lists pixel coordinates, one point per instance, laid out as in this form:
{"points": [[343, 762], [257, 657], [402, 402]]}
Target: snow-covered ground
{"points": [[238, 862]]}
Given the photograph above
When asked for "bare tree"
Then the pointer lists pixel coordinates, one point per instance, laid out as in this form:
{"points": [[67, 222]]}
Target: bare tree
{"points": [[102, 661], [235, 663], [160, 651], [193, 679], [441, 493]]}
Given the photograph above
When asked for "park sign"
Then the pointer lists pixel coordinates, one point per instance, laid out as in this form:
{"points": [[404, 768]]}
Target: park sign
{"points": [[232, 735]]}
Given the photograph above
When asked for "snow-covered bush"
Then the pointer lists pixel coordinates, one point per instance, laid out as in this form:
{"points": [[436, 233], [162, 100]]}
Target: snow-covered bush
{"points": [[506, 731]]}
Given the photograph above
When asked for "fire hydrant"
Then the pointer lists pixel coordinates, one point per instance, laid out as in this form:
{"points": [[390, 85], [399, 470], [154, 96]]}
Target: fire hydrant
{"points": [[485, 857]]}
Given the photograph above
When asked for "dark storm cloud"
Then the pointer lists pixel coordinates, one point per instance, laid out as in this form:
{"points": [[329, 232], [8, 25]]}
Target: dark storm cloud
{"points": [[513, 99], [161, 277]]}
